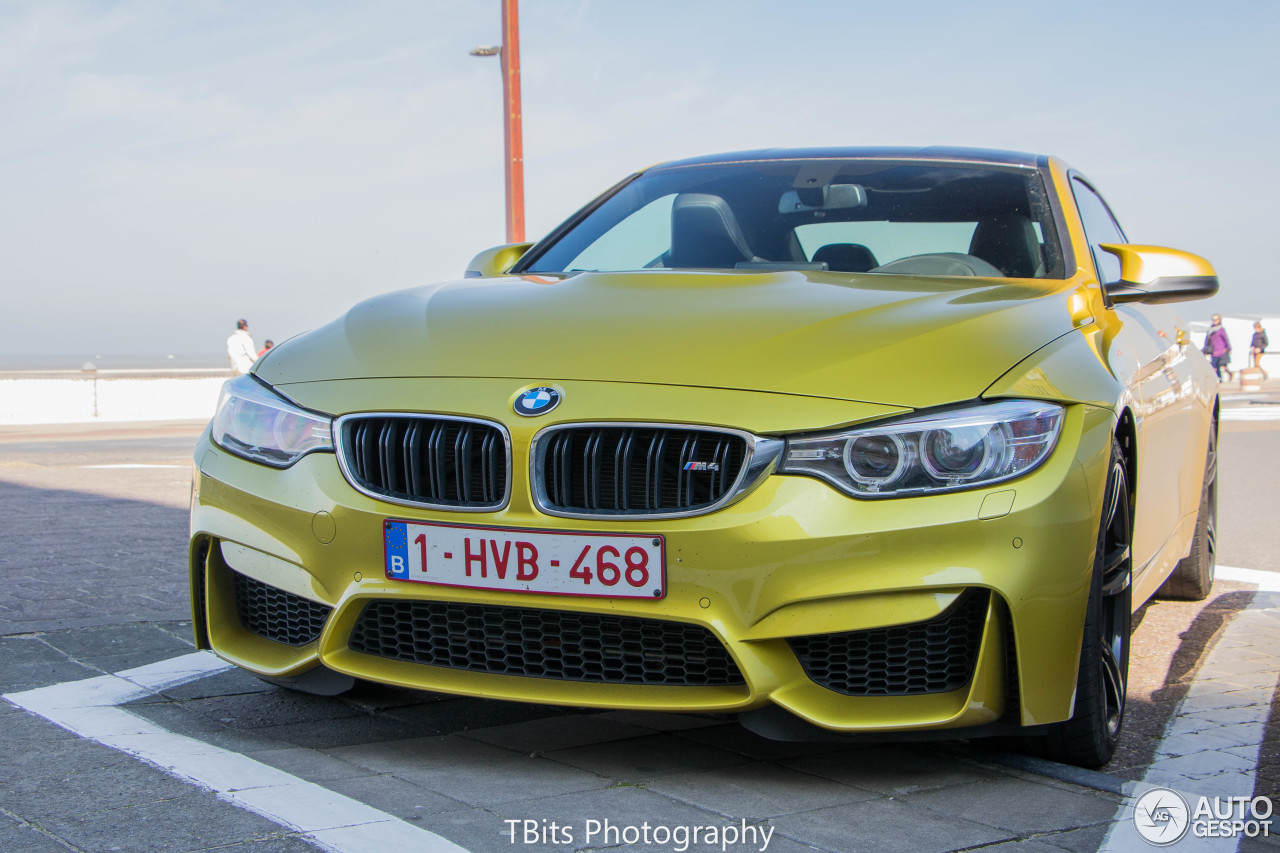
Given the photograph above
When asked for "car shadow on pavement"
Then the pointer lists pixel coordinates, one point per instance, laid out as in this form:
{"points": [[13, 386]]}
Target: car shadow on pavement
{"points": [[78, 559], [1184, 634]]}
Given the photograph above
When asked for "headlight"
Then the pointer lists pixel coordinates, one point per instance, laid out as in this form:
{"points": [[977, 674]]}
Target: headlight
{"points": [[944, 452], [255, 423]]}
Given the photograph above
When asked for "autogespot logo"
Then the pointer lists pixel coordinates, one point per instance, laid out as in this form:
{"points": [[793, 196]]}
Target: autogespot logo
{"points": [[1161, 816], [536, 401]]}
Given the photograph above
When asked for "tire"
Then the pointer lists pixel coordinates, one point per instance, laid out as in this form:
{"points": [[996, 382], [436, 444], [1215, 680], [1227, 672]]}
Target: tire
{"points": [[1192, 578], [1089, 738]]}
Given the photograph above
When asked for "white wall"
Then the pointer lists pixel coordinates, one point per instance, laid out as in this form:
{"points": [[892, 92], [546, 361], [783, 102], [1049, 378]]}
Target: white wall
{"points": [[85, 398], [155, 396]]}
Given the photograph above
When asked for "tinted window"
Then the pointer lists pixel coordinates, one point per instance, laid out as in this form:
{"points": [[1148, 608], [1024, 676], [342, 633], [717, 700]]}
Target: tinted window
{"points": [[1099, 227], [890, 241], [837, 215]]}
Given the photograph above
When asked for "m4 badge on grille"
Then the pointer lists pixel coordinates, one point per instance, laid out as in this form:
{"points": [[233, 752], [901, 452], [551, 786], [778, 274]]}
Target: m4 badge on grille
{"points": [[702, 466], [536, 401]]}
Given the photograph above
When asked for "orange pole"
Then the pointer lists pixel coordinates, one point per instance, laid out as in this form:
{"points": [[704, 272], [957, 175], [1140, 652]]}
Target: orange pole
{"points": [[513, 136]]}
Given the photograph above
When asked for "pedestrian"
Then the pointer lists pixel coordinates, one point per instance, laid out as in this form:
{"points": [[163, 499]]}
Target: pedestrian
{"points": [[1218, 347], [268, 345], [1257, 347], [240, 348]]}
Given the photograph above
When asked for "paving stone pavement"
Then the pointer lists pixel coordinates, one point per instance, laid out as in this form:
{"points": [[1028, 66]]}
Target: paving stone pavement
{"points": [[465, 780], [90, 577], [464, 777], [70, 609]]}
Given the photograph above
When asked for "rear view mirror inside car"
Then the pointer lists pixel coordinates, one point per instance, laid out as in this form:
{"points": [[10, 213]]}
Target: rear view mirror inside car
{"points": [[830, 197]]}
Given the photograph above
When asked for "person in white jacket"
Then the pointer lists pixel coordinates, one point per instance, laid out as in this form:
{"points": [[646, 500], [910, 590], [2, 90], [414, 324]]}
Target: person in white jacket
{"points": [[240, 348]]}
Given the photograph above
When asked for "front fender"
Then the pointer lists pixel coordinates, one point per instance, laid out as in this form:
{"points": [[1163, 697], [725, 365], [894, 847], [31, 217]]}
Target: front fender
{"points": [[1069, 369]]}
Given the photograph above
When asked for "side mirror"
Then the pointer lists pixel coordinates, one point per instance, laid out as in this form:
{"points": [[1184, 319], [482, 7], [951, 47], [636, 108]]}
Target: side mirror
{"points": [[1155, 274], [496, 261]]}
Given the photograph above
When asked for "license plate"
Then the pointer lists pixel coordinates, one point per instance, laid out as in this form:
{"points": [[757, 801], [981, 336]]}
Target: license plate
{"points": [[594, 564]]}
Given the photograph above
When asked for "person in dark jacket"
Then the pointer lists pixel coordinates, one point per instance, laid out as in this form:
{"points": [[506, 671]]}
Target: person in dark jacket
{"points": [[1257, 347]]}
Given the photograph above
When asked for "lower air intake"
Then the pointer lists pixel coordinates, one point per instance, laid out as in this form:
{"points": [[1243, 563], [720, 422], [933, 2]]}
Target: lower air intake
{"points": [[936, 656], [544, 643], [278, 615]]}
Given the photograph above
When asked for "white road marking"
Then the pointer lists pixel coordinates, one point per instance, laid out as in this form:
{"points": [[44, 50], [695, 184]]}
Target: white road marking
{"points": [[134, 465], [1211, 744], [1250, 413], [330, 820], [1266, 581], [1198, 754]]}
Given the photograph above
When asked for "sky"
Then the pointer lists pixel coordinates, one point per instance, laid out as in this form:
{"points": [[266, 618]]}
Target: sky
{"points": [[169, 168]]}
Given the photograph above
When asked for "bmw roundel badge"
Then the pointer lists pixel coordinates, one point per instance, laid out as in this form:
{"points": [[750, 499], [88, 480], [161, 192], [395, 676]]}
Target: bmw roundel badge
{"points": [[536, 401]]}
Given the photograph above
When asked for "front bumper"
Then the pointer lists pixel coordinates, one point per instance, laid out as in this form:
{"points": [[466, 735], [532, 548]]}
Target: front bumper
{"points": [[792, 559]]}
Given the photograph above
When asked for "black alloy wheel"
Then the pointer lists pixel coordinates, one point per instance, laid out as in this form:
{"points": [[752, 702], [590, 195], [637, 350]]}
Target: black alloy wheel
{"points": [[1192, 578], [1117, 596], [1089, 738]]}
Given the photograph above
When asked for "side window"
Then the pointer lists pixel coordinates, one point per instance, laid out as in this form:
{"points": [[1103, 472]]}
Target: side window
{"points": [[1099, 227]]}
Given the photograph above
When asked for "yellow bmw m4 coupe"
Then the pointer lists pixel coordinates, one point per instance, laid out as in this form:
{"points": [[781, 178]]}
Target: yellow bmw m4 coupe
{"points": [[853, 441]]}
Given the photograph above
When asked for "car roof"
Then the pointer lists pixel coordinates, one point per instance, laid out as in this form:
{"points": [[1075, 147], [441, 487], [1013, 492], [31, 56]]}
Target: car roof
{"points": [[933, 153]]}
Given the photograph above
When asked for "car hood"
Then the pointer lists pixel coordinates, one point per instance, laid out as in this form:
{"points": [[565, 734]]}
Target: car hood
{"points": [[893, 340]]}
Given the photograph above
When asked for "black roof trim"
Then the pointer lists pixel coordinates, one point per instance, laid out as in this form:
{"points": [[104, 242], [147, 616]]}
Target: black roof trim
{"points": [[934, 153]]}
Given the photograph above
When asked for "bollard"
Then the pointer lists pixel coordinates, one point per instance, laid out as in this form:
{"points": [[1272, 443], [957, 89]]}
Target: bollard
{"points": [[91, 370]]}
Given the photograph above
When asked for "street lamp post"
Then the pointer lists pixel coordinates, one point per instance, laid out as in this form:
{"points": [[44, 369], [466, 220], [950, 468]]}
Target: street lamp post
{"points": [[513, 133]]}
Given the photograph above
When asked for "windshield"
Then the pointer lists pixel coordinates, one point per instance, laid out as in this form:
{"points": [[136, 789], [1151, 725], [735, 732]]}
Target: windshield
{"points": [[849, 216]]}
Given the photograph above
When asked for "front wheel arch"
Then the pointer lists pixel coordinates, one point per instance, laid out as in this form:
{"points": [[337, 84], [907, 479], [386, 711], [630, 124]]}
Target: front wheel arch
{"points": [[1090, 736]]}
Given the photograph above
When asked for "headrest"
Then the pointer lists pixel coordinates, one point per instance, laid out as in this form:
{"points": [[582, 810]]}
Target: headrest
{"points": [[846, 257], [705, 233], [1009, 242]]}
